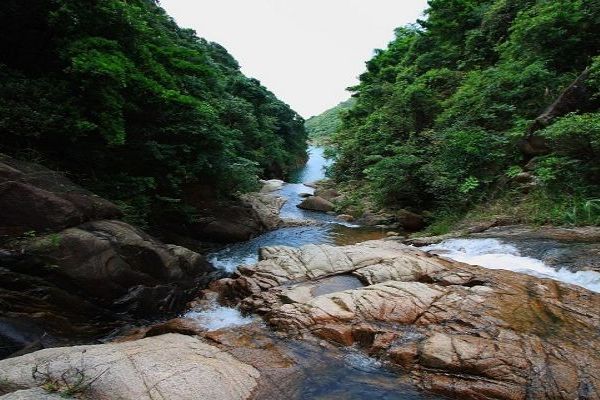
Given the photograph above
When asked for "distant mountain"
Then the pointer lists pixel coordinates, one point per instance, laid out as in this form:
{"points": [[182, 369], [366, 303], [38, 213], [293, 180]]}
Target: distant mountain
{"points": [[324, 125]]}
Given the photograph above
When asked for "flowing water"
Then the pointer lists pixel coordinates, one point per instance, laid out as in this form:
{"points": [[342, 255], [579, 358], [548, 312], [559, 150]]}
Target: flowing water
{"points": [[348, 373], [518, 257], [326, 229]]}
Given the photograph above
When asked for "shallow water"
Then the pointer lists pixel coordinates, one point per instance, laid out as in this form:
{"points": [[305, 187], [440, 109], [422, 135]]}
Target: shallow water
{"points": [[352, 375], [349, 373], [218, 317], [327, 229], [496, 254], [327, 374]]}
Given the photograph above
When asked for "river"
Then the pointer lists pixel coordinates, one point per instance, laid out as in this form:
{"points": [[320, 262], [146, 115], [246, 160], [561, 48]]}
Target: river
{"points": [[326, 230], [324, 373], [346, 373]]}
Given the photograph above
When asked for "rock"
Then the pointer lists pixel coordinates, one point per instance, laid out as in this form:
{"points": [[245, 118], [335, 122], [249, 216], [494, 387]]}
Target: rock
{"points": [[79, 284], [37, 393], [585, 234], [120, 265], [374, 219], [345, 217], [459, 330], [393, 219], [311, 184], [271, 185], [267, 208], [423, 241], [170, 366], [237, 220], [409, 220], [316, 203], [291, 222], [392, 234], [575, 97], [181, 326], [34, 198], [327, 194], [305, 195], [524, 177]]}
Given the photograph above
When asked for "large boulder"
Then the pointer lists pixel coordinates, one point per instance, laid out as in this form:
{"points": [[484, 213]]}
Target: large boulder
{"points": [[410, 221], [458, 330], [271, 185], [328, 194], [170, 366], [237, 220], [34, 198], [369, 218], [121, 266], [316, 203], [68, 275], [80, 283]]}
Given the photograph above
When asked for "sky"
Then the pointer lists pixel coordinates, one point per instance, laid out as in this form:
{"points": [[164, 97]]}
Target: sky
{"points": [[307, 52]]}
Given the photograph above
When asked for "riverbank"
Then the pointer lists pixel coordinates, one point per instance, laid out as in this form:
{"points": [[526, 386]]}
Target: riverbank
{"points": [[316, 308]]}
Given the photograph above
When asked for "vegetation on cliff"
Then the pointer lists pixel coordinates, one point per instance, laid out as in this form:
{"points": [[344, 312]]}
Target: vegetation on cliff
{"points": [[441, 112], [136, 108], [322, 126]]}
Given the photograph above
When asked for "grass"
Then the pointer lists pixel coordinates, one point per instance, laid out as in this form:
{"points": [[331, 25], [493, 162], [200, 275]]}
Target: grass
{"points": [[73, 382], [536, 209]]}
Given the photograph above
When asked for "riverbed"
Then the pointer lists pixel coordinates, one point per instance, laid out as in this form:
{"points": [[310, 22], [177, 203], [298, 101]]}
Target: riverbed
{"points": [[329, 373], [323, 228]]}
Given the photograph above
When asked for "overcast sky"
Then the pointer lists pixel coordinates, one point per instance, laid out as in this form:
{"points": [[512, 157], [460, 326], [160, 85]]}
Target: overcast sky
{"points": [[305, 51]]}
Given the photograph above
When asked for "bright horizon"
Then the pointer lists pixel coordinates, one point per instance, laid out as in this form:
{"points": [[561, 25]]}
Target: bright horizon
{"points": [[307, 52]]}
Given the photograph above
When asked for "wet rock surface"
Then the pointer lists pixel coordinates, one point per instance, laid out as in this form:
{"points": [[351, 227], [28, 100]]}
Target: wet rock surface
{"points": [[69, 275], [456, 329], [80, 283], [576, 248], [586, 234]]}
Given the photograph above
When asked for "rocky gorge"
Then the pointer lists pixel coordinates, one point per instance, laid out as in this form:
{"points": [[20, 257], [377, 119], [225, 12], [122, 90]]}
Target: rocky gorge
{"points": [[312, 307]]}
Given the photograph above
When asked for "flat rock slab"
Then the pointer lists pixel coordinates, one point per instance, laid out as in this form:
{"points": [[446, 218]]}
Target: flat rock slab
{"points": [[170, 367], [458, 330]]}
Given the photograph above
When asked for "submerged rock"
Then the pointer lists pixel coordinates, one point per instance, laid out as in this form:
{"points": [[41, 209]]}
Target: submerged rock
{"points": [[316, 203], [457, 329], [170, 366]]}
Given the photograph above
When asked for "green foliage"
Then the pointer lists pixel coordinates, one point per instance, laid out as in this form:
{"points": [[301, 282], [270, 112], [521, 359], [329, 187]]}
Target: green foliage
{"points": [[513, 171], [440, 112], [320, 127], [574, 165], [136, 108]]}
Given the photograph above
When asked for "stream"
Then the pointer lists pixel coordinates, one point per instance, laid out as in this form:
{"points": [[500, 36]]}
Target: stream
{"points": [[326, 230], [347, 373]]}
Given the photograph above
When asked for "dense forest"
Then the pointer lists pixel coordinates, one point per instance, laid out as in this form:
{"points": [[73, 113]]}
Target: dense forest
{"points": [[322, 126], [134, 107], [441, 112]]}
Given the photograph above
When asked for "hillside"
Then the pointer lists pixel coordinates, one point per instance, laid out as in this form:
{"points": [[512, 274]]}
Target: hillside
{"points": [[444, 119], [135, 108], [320, 127]]}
